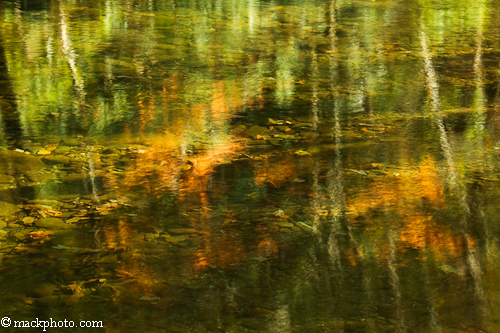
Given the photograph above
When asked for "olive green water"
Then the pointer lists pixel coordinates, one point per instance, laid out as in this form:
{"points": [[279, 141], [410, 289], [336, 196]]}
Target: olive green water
{"points": [[251, 166]]}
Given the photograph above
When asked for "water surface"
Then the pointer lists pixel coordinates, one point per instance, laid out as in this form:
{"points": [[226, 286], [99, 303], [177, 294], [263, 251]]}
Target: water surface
{"points": [[251, 166]]}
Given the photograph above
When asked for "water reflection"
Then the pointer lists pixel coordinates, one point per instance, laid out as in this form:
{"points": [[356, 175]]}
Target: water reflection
{"points": [[250, 166]]}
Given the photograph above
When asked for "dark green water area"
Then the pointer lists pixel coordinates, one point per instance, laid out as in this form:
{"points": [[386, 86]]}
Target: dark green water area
{"points": [[251, 166]]}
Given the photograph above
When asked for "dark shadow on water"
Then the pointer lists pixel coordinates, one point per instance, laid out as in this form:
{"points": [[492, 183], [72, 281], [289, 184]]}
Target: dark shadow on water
{"points": [[8, 107]]}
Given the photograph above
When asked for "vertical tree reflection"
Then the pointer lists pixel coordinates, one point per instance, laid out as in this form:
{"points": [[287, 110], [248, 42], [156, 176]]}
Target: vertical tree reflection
{"points": [[456, 186]]}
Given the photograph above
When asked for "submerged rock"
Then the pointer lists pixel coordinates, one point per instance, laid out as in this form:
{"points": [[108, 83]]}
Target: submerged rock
{"points": [[302, 125], [44, 289], [284, 224], [111, 151], [12, 162], [182, 230], [43, 152], [21, 235], [74, 177], [256, 142], [56, 159], [258, 130], [274, 228], [50, 301], [108, 259], [53, 203], [53, 223], [79, 177], [8, 209], [28, 220], [6, 179], [304, 226], [309, 135], [62, 150], [41, 176]]}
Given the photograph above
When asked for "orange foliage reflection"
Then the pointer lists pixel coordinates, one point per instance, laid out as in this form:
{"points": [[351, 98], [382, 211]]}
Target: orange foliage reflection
{"points": [[421, 232], [413, 196], [276, 173], [402, 194], [181, 160], [224, 251]]}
